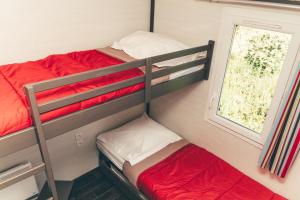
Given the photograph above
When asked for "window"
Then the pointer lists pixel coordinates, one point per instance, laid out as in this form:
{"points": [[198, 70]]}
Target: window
{"points": [[255, 61], [254, 64]]}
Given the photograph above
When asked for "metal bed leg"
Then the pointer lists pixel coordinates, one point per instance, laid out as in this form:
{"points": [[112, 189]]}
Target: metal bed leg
{"points": [[148, 85], [152, 13], [119, 179], [42, 142]]}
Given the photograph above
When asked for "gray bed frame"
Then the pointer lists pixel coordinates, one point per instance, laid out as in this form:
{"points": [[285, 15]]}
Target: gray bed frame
{"points": [[41, 132], [116, 176], [44, 131]]}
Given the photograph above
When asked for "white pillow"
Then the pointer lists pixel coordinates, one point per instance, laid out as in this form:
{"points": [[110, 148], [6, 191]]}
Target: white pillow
{"points": [[142, 44], [138, 139]]}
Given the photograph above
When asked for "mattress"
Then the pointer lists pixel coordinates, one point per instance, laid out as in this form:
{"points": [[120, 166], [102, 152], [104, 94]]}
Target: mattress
{"points": [[194, 173], [185, 171], [14, 108], [133, 172], [119, 54], [125, 57]]}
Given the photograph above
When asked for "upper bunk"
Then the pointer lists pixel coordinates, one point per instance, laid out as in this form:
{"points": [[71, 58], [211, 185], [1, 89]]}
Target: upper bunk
{"points": [[142, 91]]}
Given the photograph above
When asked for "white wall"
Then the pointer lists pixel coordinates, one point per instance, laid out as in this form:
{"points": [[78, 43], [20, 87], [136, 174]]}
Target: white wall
{"points": [[195, 22], [33, 29]]}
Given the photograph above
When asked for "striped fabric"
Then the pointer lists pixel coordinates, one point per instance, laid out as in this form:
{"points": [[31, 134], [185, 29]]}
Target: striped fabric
{"points": [[283, 144]]}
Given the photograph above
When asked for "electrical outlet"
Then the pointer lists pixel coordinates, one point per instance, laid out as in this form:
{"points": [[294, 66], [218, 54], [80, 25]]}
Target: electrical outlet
{"points": [[79, 138]]}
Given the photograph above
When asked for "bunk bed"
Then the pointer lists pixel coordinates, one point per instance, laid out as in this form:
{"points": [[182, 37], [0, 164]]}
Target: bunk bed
{"points": [[42, 130], [14, 142]]}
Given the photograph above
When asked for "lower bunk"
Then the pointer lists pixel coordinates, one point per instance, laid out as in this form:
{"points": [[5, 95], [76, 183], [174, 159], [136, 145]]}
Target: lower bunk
{"points": [[148, 161]]}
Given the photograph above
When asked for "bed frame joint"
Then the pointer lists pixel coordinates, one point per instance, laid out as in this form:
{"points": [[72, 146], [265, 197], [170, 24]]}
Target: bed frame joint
{"points": [[209, 56], [148, 80]]}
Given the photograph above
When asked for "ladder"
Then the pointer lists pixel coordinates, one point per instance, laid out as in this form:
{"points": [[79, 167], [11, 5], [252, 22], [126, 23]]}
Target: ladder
{"points": [[56, 190]]}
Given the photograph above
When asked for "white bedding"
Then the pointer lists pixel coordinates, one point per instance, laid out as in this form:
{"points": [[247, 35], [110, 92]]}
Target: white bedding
{"points": [[143, 44], [135, 141]]}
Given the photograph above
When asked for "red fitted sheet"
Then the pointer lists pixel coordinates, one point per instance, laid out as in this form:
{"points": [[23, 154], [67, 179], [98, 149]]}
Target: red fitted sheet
{"points": [[14, 107], [194, 173]]}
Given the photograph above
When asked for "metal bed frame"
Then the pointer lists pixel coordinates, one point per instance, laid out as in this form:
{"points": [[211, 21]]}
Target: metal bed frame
{"points": [[112, 173], [75, 120], [41, 132]]}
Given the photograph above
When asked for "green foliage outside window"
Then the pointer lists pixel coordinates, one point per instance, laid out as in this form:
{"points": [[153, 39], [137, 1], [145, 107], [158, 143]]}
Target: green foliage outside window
{"points": [[253, 68]]}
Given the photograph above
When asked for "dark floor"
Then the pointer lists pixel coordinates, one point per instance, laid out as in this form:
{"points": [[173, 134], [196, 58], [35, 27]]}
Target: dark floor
{"points": [[94, 185]]}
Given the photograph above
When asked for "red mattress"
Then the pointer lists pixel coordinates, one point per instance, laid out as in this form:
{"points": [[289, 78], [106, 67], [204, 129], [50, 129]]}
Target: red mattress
{"points": [[194, 173], [14, 107]]}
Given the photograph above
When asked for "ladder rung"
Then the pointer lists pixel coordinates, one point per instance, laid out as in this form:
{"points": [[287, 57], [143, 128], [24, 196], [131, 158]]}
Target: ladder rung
{"points": [[19, 177]]}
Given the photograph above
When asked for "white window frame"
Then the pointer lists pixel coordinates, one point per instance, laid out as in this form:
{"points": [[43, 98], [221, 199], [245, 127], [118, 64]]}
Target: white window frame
{"points": [[279, 22]]}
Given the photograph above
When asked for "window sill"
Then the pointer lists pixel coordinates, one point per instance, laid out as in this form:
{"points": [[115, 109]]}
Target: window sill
{"points": [[234, 133]]}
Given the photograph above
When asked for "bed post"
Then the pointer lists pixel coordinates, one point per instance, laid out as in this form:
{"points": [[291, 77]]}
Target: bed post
{"points": [[148, 85], [149, 64], [152, 12], [210, 52], [59, 190], [41, 141]]}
